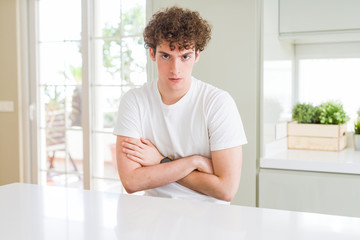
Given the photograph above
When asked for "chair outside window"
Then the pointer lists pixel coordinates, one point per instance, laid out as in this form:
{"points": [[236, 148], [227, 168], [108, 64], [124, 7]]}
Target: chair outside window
{"points": [[56, 133]]}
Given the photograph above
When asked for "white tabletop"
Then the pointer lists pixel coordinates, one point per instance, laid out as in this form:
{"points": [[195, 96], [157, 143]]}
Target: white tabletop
{"points": [[36, 212]]}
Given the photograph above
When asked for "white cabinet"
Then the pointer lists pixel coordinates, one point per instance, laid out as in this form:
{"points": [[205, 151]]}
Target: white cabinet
{"points": [[325, 193], [318, 16]]}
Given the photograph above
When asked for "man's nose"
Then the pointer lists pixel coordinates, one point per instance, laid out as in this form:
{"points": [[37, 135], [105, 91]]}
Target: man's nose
{"points": [[175, 66]]}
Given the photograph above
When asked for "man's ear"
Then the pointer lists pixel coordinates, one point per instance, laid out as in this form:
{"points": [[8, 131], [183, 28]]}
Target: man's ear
{"points": [[152, 54], [197, 55]]}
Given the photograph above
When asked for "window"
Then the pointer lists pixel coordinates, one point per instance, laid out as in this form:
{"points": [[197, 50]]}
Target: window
{"points": [[317, 73], [71, 106], [330, 72]]}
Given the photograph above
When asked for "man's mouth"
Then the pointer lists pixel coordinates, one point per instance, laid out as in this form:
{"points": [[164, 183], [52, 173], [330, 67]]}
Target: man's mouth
{"points": [[175, 79]]}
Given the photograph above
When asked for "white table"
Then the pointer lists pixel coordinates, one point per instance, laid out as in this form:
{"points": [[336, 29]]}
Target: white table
{"points": [[35, 212]]}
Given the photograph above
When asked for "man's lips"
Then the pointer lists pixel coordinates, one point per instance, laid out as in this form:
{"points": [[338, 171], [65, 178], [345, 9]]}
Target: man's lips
{"points": [[175, 79]]}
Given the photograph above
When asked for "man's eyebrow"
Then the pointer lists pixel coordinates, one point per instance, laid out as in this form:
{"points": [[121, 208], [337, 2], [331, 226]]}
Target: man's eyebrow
{"points": [[189, 52], [164, 52]]}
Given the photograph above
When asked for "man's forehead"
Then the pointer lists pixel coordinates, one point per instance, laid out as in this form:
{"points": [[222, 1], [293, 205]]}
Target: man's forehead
{"points": [[165, 47]]}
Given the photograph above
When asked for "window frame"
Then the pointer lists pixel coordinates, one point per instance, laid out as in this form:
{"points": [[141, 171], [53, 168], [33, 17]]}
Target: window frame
{"points": [[32, 66]]}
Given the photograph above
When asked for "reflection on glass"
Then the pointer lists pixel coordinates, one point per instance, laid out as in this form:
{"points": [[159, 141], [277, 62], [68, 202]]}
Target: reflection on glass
{"points": [[64, 180], [104, 165], [108, 186]]}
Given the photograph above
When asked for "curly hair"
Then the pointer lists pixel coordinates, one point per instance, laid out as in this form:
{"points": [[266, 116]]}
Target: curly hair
{"points": [[180, 27]]}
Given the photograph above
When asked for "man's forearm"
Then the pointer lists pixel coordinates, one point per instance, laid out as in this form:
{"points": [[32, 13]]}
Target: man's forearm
{"points": [[143, 178], [208, 184], [224, 183], [135, 176]]}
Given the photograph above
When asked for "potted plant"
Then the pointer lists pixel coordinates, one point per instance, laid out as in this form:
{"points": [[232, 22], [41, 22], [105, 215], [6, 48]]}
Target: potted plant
{"points": [[320, 127], [332, 113], [305, 113], [357, 134]]}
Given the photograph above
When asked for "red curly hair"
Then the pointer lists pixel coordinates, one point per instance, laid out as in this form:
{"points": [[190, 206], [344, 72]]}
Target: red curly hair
{"points": [[180, 27]]}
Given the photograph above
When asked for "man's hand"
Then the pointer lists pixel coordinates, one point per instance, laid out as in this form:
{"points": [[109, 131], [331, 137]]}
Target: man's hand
{"points": [[142, 151], [136, 178], [224, 182], [204, 164], [145, 153]]}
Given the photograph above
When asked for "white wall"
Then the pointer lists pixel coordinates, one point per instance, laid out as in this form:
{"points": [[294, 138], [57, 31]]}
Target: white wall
{"points": [[230, 62], [277, 76], [10, 157], [320, 16], [273, 48]]}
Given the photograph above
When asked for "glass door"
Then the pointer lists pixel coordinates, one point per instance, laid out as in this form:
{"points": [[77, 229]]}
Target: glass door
{"points": [[76, 112]]}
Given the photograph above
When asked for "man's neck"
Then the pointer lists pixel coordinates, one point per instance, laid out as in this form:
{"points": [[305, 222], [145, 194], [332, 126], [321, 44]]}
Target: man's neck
{"points": [[170, 97]]}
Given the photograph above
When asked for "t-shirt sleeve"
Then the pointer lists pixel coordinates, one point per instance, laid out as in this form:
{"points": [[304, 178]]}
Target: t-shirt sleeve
{"points": [[128, 119], [224, 123]]}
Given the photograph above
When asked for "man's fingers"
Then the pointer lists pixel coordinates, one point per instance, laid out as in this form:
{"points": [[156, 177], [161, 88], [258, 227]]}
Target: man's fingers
{"points": [[133, 153], [135, 159], [133, 141], [131, 146], [146, 141]]}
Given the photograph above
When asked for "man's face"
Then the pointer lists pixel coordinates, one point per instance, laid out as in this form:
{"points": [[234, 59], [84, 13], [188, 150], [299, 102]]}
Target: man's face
{"points": [[174, 67]]}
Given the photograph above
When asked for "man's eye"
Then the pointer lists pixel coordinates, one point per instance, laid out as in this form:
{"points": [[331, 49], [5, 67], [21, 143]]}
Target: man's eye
{"points": [[165, 56], [186, 57]]}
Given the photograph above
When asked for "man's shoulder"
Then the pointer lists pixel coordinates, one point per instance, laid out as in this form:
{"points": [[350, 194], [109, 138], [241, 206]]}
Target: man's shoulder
{"points": [[138, 93], [211, 93]]}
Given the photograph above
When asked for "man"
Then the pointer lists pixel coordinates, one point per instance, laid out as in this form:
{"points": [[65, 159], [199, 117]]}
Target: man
{"points": [[179, 137]]}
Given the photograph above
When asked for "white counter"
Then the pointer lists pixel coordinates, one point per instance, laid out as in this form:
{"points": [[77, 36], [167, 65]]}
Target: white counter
{"points": [[35, 212], [279, 157]]}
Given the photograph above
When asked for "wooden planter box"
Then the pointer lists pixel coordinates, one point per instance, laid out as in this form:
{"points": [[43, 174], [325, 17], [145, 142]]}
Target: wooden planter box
{"points": [[316, 136]]}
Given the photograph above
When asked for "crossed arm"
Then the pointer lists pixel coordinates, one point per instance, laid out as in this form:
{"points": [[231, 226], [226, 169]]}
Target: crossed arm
{"points": [[139, 169]]}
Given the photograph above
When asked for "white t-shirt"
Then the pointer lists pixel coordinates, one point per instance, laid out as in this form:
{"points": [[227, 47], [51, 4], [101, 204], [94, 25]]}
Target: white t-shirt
{"points": [[205, 119]]}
